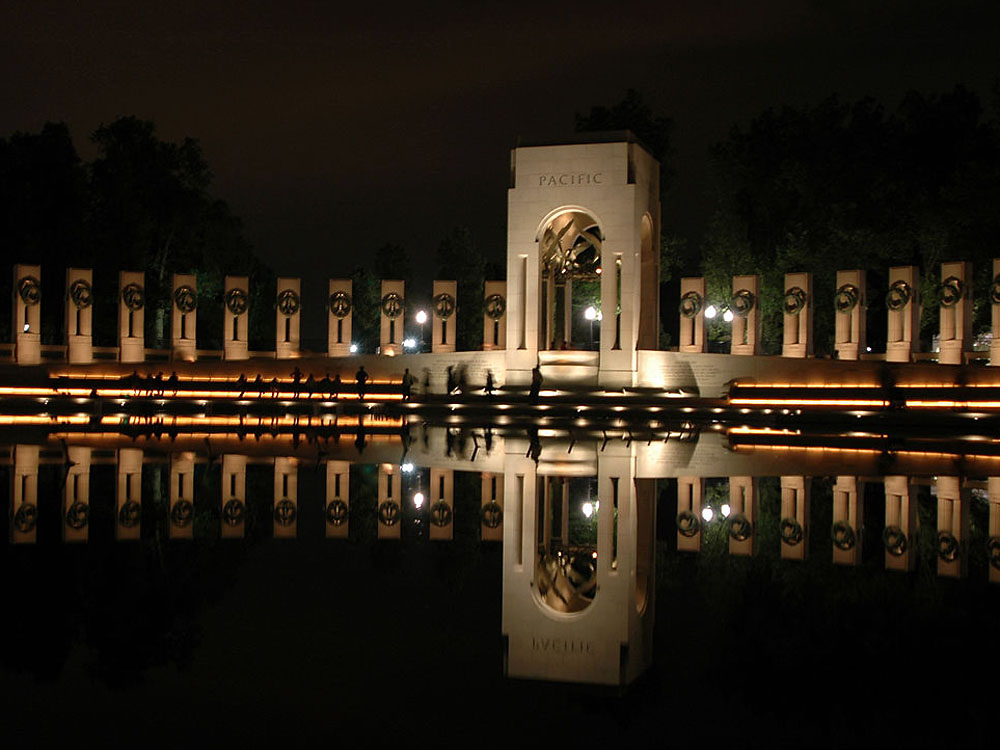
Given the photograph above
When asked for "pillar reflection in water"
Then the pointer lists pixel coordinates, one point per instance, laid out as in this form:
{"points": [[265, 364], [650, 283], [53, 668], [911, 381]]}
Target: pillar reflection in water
{"points": [[576, 607]]}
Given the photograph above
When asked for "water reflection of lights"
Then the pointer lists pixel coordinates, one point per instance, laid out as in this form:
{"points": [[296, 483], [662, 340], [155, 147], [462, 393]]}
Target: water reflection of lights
{"points": [[418, 500]]}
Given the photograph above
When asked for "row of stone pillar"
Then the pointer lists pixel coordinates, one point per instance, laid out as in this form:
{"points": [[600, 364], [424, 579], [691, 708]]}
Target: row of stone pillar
{"points": [[902, 302], [75, 510], [184, 316], [900, 521]]}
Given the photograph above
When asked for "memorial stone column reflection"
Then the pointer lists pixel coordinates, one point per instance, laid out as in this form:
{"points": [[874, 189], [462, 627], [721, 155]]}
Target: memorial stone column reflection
{"points": [[128, 508], [952, 527], [848, 510], [24, 495], [181, 510], [234, 495], [900, 524], [76, 495]]}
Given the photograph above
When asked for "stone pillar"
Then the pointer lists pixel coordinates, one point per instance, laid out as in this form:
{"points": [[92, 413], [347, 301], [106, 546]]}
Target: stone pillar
{"points": [[131, 316], [128, 505], [993, 543], [235, 319], [441, 501], [692, 312], [76, 495], [338, 499], [848, 512], [740, 524], [340, 306], [900, 524], [995, 313], [495, 316], [746, 321], [286, 497], [181, 512], [288, 315], [79, 316], [955, 299], [27, 315], [443, 322], [24, 495], [491, 513], [690, 491], [797, 338], [234, 496], [390, 500], [392, 312], [184, 318], [850, 305], [903, 303], [794, 525], [952, 528]]}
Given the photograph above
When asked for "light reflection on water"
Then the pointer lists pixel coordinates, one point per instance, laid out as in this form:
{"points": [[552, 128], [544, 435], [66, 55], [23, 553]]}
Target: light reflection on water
{"points": [[313, 625]]}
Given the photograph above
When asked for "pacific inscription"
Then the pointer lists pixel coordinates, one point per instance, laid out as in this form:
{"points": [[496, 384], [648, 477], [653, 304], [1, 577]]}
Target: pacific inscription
{"points": [[567, 179], [563, 646]]}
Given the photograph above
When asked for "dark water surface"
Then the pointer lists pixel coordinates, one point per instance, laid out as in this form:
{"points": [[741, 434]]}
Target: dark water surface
{"points": [[170, 642]]}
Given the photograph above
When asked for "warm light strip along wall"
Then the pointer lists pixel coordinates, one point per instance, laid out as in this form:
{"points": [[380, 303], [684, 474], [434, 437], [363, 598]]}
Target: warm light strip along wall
{"points": [[145, 393], [808, 402]]}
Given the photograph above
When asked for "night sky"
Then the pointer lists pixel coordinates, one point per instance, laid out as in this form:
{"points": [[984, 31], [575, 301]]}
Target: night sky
{"points": [[333, 131]]}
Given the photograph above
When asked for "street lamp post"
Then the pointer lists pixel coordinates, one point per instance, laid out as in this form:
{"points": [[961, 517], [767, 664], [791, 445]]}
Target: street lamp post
{"points": [[421, 319], [592, 314]]}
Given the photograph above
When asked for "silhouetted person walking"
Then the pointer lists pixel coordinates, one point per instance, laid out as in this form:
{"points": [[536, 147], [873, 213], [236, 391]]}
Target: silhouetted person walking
{"points": [[536, 384], [362, 377], [489, 383], [408, 381]]}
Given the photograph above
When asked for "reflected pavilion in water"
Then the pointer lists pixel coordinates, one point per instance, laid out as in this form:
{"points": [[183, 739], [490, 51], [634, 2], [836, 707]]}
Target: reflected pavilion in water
{"points": [[570, 449]]}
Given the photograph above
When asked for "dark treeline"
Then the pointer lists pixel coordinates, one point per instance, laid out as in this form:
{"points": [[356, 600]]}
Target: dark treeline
{"points": [[141, 204], [817, 188], [833, 186]]}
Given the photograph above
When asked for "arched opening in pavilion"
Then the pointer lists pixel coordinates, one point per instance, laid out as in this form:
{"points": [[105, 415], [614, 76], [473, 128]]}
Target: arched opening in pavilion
{"points": [[570, 256]]}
